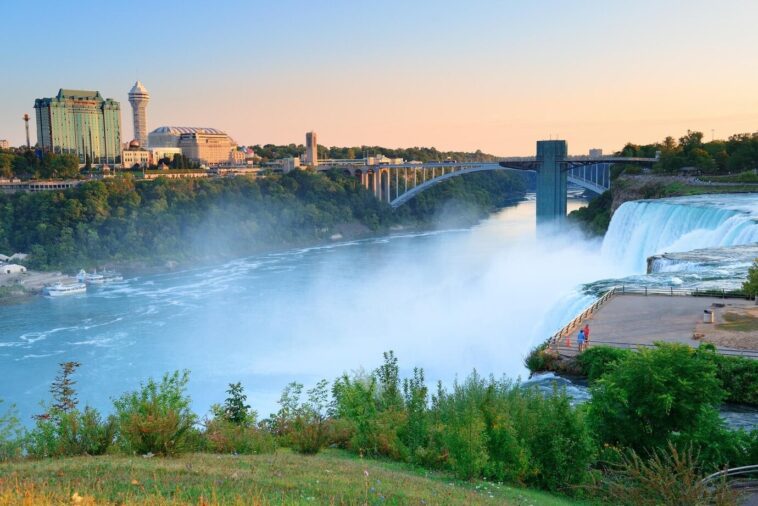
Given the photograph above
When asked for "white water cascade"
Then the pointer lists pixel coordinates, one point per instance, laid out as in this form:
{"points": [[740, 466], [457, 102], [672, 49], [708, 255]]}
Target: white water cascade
{"points": [[643, 228]]}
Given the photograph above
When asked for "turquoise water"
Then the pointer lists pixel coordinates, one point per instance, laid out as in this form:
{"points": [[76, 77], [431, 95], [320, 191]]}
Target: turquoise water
{"points": [[448, 301]]}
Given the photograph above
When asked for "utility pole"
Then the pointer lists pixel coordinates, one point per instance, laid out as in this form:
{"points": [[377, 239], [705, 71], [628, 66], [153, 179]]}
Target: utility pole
{"points": [[26, 121]]}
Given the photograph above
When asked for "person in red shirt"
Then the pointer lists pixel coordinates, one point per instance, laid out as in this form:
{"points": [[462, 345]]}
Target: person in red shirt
{"points": [[586, 335]]}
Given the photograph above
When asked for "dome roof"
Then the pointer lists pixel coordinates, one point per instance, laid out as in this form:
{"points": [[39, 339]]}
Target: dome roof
{"points": [[177, 130], [134, 144], [139, 89]]}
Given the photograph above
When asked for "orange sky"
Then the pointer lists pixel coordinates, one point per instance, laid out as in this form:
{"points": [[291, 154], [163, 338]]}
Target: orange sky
{"points": [[481, 74]]}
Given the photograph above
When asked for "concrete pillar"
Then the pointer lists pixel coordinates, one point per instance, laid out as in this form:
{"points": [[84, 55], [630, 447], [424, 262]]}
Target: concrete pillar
{"points": [[551, 181]]}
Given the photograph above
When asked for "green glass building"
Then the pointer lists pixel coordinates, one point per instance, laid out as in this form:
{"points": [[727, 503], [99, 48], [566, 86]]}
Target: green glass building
{"points": [[81, 123]]}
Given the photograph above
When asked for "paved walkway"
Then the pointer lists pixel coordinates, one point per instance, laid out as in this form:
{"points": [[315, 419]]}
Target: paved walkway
{"points": [[628, 320]]}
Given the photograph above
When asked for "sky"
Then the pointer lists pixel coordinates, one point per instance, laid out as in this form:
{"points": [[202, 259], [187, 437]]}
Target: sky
{"points": [[456, 75]]}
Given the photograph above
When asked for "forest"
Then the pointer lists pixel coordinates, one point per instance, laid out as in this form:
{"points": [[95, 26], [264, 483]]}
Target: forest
{"points": [[122, 220]]}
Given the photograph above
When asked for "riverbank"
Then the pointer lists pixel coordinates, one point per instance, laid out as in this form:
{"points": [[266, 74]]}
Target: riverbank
{"points": [[21, 286]]}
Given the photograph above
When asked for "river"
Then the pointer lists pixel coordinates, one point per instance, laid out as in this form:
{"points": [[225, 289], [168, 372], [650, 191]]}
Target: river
{"points": [[448, 301]]}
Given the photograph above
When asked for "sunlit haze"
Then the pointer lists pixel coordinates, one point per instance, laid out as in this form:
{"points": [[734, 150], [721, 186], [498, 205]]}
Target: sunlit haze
{"points": [[489, 75]]}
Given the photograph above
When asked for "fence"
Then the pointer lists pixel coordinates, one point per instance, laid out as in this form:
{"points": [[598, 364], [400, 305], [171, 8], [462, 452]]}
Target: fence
{"points": [[744, 479], [589, 311], [734, 352], [724, 294]]}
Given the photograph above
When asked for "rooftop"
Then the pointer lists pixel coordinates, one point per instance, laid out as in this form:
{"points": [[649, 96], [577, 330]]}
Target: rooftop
{"points": [[175, 130]]}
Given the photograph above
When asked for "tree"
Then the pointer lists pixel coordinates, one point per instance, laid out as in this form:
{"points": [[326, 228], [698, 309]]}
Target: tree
{"points": [[750, 286], [652, 394], [235, 409], [62, 389]]}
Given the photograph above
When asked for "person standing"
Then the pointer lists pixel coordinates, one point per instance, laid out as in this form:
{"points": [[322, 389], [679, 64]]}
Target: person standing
{"points": [[580, 340], [586, 335]]}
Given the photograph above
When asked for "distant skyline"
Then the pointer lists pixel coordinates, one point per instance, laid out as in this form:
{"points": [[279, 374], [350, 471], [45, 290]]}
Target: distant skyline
{"points": [[456, 75]]}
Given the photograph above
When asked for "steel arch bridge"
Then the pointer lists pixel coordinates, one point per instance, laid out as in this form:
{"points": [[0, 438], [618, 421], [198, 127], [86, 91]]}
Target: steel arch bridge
{"points": [[398, 183]]}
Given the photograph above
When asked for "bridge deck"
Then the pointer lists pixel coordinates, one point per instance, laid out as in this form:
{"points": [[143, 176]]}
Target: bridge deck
{"points": [[628, 321]]}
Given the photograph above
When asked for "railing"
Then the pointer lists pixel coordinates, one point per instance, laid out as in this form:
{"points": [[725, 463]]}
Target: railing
{"points": [[724, 294], [588, 311], [738, 477]]}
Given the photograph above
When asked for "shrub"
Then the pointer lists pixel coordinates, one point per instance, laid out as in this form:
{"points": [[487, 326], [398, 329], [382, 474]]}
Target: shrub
{"points": [[668, 477], [11, 435], [234, 409], [596, 361], [375, 429], [68, 433], [541, 358], [156, 418], [653, 393], [224, 436], [303, 425], [739, 378]]}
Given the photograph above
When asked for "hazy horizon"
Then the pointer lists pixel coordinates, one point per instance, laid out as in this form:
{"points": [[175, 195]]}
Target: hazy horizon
{"points": [[486, 75]]}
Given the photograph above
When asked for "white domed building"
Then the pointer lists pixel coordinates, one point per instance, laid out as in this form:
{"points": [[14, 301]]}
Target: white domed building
{"points": [[208, 146]]}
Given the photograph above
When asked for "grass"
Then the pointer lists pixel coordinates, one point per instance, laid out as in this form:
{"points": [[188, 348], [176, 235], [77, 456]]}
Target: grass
{"points": [[332, 477], [739, 322], [677, 189]]}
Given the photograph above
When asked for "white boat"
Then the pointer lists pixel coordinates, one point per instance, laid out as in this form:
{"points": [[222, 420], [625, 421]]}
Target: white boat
{"points": [[60, 289], [101, 278]]}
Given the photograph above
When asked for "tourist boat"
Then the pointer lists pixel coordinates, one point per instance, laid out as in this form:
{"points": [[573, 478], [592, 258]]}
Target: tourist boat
{"points": [[60, 289], [95, 278], [111, 276]]}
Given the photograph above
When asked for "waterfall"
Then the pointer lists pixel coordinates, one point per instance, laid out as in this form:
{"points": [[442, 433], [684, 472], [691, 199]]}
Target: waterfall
{"points": [[643, 228]]}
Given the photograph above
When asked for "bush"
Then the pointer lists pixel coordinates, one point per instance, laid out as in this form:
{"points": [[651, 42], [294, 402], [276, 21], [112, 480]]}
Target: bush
{"points": [[739, 378], [596, 361], [542, 358], [653, 393], [223, 436], [11, 435], [67, 433], [303, 425], [668, 477], [157, 417]]}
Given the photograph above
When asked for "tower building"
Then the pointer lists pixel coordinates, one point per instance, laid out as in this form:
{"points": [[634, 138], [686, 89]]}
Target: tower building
{"points": [[311, 149], [139, 97], [81, 123]]}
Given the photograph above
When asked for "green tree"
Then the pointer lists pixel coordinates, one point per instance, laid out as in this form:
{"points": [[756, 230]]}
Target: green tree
{"points": [[62, 389], [750, 286], [235, 410], [651, 395]]}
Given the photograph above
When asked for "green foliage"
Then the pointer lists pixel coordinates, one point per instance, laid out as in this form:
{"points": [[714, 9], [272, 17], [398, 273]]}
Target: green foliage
{"points": [[234, 409], [224, 436], [750, 286], [25, 164], [598, 360], [120, 219], [62, 389], [67, 433], [540, 359], [651, 394], [595, 217], [738, 375], [667, 477], [156, 418], [11, 435], [303, 425]]}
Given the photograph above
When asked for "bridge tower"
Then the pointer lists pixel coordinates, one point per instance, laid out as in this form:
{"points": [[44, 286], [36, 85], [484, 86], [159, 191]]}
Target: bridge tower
{"points": [[551, 181]]}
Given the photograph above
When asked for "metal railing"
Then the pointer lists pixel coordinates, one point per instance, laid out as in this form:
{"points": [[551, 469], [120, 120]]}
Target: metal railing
{"points": [[586, 313], [723, 294], [739, 478]]}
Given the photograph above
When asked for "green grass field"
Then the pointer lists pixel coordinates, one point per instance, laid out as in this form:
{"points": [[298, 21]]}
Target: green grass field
{"points": [[332, 477]]}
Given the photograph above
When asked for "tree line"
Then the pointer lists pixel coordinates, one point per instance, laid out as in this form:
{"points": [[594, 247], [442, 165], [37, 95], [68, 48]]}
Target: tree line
{"points": [[739, 153], [125, 220]]}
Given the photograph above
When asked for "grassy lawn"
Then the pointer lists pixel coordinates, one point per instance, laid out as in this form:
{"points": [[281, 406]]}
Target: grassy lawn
{"points": [[333, 477], [739, 322]]}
